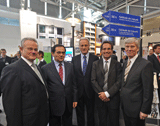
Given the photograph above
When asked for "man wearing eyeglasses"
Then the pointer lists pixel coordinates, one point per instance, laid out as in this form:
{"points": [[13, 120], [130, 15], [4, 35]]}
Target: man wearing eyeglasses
{"points": [[61, 87]]}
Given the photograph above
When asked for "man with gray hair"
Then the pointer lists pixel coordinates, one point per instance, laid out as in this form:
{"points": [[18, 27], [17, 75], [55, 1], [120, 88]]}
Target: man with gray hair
{"points": [[82, 65], [25, 96], [137, 86]]}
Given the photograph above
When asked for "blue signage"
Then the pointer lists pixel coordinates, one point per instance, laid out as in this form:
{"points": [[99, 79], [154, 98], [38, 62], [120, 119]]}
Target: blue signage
{"points": [[122, 18], [124, 31]]}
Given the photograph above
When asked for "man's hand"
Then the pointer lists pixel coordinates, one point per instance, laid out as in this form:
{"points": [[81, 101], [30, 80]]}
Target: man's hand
{"points": [[74, 104], [143, 115], [103, 97], [159, 78], [106, 100]]}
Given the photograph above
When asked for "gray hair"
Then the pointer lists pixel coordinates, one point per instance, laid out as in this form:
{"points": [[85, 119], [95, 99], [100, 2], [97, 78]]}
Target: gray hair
{"points": [[131, 40], [84, 38], [27, 38]]}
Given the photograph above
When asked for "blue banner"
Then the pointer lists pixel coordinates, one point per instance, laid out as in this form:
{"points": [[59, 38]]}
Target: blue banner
{"points": [[122, 18], [123, 31]]}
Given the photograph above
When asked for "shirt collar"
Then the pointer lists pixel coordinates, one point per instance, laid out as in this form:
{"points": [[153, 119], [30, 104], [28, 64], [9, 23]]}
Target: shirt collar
{"points": [[109, 60], [27, 61], [87, 55], [155, 54], [42, 60], [57, 63], [134, 58]]}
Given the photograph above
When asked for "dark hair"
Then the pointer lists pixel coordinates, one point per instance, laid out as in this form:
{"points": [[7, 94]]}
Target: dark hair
{"points": [[114, 52], [155, 47], [108, 43], [41, 52], [3, 50], [53, 49]]}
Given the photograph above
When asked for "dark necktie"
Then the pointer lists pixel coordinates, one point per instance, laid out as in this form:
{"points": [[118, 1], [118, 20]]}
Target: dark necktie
{"points": [[61, 71], [84, 65]]}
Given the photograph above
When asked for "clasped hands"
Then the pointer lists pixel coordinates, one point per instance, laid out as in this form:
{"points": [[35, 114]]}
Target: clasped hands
{"points": [[103, 97]]}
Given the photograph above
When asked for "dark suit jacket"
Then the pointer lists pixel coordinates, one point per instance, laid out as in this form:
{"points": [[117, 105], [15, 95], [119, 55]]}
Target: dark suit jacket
{"points": [[2, 65], [137, 91], [60, 94], [42, 63], [84, 82], [7, 60], [14, 59], [24, 96], [156, 65], [114, 57], [114, 81]]}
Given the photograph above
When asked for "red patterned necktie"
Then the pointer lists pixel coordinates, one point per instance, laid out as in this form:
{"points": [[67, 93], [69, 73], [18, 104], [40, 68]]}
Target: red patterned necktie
{"points": [[61, 71], [158, 58]]}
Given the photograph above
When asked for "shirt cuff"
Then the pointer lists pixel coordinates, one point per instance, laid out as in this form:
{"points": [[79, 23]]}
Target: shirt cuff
{"points": [[159, 74], [107, 94]]}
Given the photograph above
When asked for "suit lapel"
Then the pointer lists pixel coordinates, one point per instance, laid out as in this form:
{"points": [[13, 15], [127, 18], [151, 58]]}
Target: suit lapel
{"points": [[79, 64], [89, 64], [55, 72], [29, 69], [133, 68], [156, 59], [66, 71], [112, 65], [101, 65]]}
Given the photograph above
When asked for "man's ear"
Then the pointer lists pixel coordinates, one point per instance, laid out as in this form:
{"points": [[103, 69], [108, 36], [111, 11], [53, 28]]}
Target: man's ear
{"points": [[52, 54]]}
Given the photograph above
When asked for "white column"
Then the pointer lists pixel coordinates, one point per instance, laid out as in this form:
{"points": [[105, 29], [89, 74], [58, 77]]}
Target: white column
{"points": [[60, 9], [8, 3], [45, 8], [145, 8], [28, 4], [73, 23]]}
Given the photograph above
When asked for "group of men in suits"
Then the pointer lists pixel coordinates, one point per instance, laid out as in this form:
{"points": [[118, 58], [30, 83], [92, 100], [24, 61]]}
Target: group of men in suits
{"points": [[34, 96], [135, 82]]}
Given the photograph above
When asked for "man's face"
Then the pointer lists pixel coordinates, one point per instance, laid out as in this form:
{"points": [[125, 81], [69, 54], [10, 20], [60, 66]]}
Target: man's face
{"points": [[39, 55], [59, 54], [151, 52], [18, 54], [107, 51], [84, 46], [157, 50], [29, 50], [3, 53], [131, 49]]}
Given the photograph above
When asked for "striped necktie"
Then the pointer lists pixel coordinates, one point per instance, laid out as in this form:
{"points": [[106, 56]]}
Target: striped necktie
{"points": [[127, 70], [105, 87]]}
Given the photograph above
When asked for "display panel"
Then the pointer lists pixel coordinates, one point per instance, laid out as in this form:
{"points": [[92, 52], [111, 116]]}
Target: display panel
{"points": [[69, 54]]}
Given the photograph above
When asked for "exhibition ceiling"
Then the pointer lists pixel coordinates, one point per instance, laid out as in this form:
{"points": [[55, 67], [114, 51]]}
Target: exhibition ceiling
{"points": [[88, 10]]}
